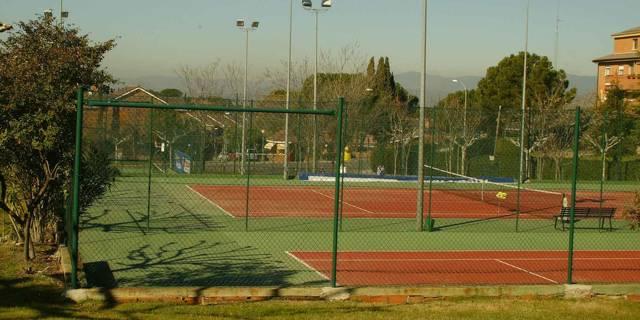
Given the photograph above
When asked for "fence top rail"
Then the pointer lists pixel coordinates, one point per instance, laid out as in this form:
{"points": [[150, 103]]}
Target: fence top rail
{"points": [[148, 105]]}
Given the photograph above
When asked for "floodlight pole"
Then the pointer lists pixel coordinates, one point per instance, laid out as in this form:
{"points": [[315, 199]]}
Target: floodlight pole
{"points": [[522, 116], [286, 119], [246, 29], [314, 164], [423, 83], [314, 147]]}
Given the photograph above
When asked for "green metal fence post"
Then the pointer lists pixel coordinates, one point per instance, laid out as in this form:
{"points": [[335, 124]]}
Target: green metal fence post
{"points": [[235, 142], [76, 189], [151, 146], [521, 165], [346, 124], [431, 165], [336, 203], [248, 157], [574, 183]]}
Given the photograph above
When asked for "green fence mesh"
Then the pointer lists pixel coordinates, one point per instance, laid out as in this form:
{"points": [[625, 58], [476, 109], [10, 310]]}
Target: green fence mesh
{"points": [[202, 197]]}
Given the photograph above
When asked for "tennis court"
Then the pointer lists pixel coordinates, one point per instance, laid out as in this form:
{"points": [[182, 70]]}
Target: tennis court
{"points": [[473, 267], [366, 202]]}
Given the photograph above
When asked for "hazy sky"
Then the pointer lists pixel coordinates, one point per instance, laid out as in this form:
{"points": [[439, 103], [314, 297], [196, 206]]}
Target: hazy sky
{"points": [[465, 36]]}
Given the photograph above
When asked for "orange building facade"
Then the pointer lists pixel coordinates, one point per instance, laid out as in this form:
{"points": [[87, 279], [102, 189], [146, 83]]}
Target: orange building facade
{"points": [[622, 67]]}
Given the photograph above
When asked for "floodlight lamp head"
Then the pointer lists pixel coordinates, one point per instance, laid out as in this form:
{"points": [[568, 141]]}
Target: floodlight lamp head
{"points": [[255, 24], [65, 14], [48, 13], [307, 4], [240, 23], [326, 3]]}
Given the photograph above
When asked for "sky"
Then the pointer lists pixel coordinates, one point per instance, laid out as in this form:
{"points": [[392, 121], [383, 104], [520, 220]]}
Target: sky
{"points": [[465, 37]]}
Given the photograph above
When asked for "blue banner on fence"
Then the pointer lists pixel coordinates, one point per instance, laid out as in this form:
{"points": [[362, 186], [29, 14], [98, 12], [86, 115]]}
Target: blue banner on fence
{"points": [[182, 162]]}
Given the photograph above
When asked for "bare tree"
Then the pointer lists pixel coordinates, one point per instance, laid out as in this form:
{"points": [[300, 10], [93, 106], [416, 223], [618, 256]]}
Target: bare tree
{"points": [[557, 145], [232, 75], [403, 132], [277, 77], [601, 140], [201, 82]]}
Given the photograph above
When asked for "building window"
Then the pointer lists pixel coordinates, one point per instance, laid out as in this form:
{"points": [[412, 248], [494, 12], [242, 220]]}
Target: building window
{"points": [[635, 44], [621, 70], [607, 71]]}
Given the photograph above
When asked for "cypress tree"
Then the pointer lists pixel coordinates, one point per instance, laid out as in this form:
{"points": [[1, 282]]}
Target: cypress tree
{"points": [[371, 68], [380, 75]]}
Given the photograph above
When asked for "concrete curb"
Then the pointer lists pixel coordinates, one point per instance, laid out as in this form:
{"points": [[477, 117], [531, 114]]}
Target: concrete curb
{"points": [[395, 295]]}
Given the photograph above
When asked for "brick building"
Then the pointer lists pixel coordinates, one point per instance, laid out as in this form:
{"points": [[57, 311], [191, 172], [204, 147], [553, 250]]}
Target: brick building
{"points": [[622, 67]]}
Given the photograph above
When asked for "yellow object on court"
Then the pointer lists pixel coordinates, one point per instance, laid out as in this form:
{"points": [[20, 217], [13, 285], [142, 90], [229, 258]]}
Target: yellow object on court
{"points": [[501, 195], [347, 154]]}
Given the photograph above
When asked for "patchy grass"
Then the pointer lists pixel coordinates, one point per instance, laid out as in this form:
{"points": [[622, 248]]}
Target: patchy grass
{"points": [[38, 294]]}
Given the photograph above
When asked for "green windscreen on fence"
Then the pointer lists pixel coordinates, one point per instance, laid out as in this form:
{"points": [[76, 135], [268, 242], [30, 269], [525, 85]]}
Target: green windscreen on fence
{"points": [[202, 197]]}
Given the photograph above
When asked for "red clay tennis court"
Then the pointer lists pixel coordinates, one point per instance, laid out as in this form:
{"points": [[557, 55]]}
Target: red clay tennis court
{"points": [[303, 201], [474, 267]]}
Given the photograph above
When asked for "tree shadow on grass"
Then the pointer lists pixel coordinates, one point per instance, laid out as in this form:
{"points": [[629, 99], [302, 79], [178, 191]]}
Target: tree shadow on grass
{"points": [[44, 300], [202, 263]]}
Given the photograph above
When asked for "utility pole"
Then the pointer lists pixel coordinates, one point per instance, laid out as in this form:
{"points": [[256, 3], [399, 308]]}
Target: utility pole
{"points": [[286, 119], [423, 103]]}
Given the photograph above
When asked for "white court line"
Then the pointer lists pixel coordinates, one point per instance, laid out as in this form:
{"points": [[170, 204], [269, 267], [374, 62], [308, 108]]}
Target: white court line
{"points": [[347, 203], [527, 271], [307, 265], [211, 202], [471, 259]]}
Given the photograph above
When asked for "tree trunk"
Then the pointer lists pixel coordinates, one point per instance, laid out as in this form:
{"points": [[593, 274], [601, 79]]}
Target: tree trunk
{"points": [[526, 164], [604, 168], [406, 158], [395, 158], [16, 229], [557, 167], [28, 244], [463, 156]]}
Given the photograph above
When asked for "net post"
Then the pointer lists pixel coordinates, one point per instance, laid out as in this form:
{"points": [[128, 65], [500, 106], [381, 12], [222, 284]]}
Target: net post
{"points": [[431, 165], [150, 132], [248, 173], [75, 214], [574, 182], [336, 202]]}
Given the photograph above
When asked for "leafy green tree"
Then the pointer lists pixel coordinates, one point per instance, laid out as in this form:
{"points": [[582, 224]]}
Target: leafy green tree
{"points": [[547, 91], [547, 88], [620, 124], [371, 68], [171, 93], [41, 66]]}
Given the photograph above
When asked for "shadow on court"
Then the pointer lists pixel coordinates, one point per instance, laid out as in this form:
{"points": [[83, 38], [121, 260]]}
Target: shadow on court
{"points": [[202, 263]]}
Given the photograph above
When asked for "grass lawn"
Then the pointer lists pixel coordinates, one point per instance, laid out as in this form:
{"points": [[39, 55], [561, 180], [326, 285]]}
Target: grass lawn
{"points": [[38, 295]]}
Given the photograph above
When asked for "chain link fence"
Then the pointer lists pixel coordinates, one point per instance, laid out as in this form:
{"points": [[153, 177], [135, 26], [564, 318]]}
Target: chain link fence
{"points": [[220, 197]]}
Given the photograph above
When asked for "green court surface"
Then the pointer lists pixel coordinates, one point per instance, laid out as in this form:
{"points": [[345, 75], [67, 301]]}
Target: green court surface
{"points": [[186, 239]]}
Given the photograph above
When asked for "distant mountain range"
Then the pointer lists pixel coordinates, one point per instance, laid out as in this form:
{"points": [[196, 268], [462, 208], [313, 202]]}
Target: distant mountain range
{"points": [[437, 86]]}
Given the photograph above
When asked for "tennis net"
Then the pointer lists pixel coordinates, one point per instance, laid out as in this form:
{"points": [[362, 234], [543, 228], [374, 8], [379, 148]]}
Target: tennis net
{"points": [[533, 202]]}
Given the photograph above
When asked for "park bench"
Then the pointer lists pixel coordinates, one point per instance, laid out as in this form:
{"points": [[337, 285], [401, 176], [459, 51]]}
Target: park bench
{"points": [[601, 214]]}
